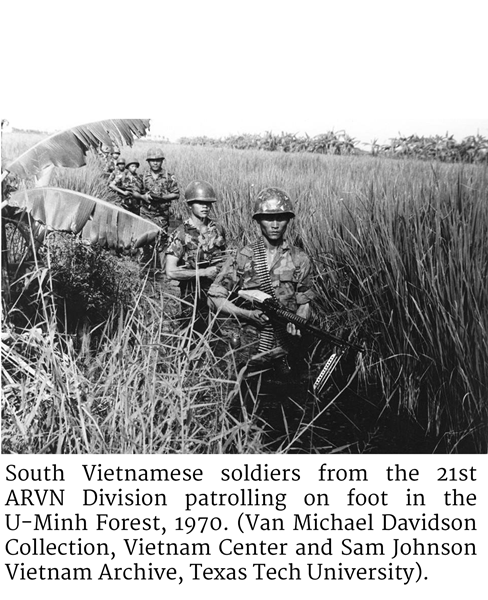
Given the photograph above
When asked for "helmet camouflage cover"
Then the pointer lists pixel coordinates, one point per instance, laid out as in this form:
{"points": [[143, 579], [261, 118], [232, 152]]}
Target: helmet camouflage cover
{"points": [[273, 201], [200, 191], [154, 154]]}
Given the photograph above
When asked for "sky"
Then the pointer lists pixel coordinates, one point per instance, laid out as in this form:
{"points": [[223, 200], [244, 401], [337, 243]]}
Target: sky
{"points": [[373, 68]]}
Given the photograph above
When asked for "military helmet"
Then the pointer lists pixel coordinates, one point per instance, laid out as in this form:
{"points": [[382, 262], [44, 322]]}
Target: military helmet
{"points": [[154, 154], [200, 191], [120, 161], [115, 150], [273, 201], [133, 162], [106, 149]]}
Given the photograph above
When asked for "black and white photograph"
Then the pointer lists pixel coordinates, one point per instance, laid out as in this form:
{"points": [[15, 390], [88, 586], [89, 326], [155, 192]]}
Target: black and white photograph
{"points": [[286, 253], [244, 306]]}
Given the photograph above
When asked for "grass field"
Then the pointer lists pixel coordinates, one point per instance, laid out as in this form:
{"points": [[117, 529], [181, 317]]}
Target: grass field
{"points": [[400, 250]]}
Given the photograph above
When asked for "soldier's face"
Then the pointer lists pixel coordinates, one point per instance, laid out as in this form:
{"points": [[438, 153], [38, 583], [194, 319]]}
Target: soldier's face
{"points": [[155, 165], [120, 166], [132, 168], [273, 227], [200, 209]]}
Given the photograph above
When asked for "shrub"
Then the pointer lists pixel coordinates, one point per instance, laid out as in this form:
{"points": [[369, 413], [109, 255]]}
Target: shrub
{"points": [[88, 282]]}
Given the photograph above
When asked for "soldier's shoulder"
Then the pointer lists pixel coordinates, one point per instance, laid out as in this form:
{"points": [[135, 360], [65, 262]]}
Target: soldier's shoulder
{"points": [[298, 255]]}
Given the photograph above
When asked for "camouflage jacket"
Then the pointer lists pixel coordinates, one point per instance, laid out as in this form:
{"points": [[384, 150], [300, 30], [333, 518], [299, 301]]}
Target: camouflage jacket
{"points": [[290, 276], [191, 247], [164, 183], [117, 177], [133, 182]]}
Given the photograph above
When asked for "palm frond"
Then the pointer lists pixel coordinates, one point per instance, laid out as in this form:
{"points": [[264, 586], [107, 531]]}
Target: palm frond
{"points": [[68, 148], [97, 221]]}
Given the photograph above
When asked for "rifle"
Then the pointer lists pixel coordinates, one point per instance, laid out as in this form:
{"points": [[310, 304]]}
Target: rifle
{"points": [[215, 261], [276, 312]]}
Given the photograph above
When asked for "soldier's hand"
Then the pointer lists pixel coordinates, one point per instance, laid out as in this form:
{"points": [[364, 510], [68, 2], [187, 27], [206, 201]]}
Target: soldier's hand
{"points": [[210, 272], [258, 317], [292, 329]]}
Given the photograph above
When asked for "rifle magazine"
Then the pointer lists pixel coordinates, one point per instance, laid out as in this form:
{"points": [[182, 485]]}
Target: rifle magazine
{"points": [[327, 371]]}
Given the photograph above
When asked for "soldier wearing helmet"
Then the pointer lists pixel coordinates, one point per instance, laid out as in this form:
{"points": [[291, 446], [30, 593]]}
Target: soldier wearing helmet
{"points": [[106, 160], [289, 271], [116, 182], [159, 189], [115, 153], [194, 251], [132, 184]]}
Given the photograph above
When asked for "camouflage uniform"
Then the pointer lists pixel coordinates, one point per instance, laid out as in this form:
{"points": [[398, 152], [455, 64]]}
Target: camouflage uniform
{"points": [[118, 178], [157, 210], [290, 276], [191, 247], [132, 183], [107, 164]]}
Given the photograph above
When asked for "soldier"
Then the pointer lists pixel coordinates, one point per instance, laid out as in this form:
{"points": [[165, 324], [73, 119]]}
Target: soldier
{"points": [[106, 160], [272, 265], [159, 190], [194, 250], [115, 154], [116, 182], [133, 186]]}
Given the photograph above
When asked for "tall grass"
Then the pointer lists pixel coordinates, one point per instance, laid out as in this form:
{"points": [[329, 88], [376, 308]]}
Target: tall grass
{"points": [[401, 256], [400, 250], [137, 391]]}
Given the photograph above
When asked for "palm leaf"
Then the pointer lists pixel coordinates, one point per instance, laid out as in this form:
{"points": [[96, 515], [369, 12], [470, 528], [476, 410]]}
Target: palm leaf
{"points": [[68, 148], [97, 221]]}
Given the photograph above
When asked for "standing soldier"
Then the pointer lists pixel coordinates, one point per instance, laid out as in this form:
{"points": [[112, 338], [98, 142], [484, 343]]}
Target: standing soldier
{"points": [[194, 250], [274, 266], [159, 190], [116, 182], [106, 160], [133, 186], [115, 154]]}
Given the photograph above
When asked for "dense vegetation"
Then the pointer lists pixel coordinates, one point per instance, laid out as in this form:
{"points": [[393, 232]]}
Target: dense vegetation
{"points": [[401, 254]]}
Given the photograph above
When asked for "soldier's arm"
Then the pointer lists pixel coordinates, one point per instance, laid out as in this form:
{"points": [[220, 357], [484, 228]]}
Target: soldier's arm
{"points": [[113, 187], [173, 192], [229, 308], [173, 271], [220, 290], [138, 194]]}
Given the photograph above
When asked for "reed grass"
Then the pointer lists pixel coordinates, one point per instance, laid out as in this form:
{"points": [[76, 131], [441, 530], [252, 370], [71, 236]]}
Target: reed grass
{"points": [[400, 250]]}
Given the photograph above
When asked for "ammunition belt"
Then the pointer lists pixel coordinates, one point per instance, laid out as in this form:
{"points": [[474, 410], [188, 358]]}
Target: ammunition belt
{"points": [[272, 334]]}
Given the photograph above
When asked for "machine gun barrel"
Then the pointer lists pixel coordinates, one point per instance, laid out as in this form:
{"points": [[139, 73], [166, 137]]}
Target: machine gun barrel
{"points": [[286, 316]]}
